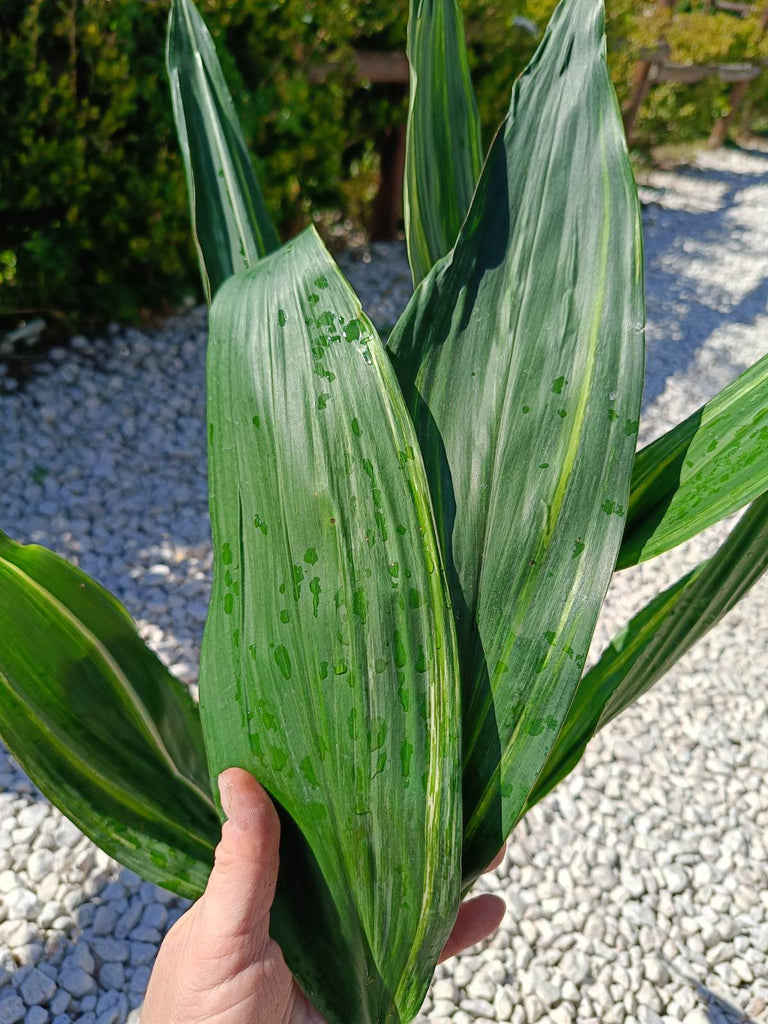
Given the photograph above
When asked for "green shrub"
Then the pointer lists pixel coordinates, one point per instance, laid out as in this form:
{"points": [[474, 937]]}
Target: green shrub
{"points": [[676, 112], [92, 184], [93, 189]]}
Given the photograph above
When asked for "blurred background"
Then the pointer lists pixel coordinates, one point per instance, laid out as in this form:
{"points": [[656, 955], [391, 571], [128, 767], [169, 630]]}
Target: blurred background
{"points": [[93, 208]]}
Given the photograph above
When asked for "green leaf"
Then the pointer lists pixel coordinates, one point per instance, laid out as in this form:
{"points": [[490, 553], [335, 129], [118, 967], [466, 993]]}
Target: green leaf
{"points": [[521, 359], [99, 724], [657, 637], [443, 154], [329, 665], [708, 466], [230, 223]]}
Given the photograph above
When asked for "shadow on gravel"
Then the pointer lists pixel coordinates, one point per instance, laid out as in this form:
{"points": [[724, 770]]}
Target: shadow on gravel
{"points": [[95, 935], [13, 779], [684, 309], [720, 1011], [98, 970]]}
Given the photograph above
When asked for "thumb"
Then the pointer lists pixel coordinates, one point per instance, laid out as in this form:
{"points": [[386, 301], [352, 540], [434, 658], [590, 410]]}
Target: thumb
{"points": [[241, 886]]}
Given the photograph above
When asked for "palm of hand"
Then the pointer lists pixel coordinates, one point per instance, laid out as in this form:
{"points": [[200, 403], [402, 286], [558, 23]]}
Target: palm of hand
{"points": [[237, 979], [218, 964]]}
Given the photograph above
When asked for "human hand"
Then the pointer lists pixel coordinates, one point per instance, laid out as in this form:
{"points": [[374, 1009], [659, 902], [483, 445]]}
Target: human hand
{"points": [[218, 962]]}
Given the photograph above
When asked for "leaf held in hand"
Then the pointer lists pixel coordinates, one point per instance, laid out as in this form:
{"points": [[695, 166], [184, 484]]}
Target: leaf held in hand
{"points": [[328, 665]]}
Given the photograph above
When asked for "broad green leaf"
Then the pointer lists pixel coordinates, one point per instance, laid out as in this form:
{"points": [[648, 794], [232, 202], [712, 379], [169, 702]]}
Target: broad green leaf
{"points": [[521, 359], [99, 724], [230, 223], [657, 637], [707, 467], [443, 154], [329, 665]]}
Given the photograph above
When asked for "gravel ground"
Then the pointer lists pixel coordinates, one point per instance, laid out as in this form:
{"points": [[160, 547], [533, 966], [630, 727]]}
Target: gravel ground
{"points": [[637, 891]]}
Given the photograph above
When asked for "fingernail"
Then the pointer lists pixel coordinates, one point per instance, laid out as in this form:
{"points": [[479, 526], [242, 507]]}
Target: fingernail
{"points": [[227, 796]]}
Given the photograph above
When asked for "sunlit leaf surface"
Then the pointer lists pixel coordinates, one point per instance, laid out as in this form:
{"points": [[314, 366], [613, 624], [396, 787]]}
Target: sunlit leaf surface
{"points": [[98, 722], [230, 223], [708, 466], [521, 359], [329, 666], [657, 637], [443, 151]]}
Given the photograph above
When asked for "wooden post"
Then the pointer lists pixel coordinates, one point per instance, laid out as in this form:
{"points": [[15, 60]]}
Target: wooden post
{"points": [[639, 87], [388, 204], [379, 67], [722, 125], [719, 132], [390, 69], [637, 94]]}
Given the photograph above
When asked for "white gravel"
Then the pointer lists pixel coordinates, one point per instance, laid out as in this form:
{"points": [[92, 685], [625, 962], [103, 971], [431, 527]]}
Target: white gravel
{"points": [[638, 891]]}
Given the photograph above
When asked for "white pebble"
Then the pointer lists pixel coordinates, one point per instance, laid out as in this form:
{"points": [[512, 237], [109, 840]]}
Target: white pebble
{"points": [[37, 1015], [697, 1016], [37, 987], [12, 1009], [22, 905], [76, 982], [39, 864]]}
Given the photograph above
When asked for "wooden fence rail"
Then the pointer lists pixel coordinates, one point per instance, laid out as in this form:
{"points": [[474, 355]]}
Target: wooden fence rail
{"points": [[655, 67], [720, 131], [386, 68]]}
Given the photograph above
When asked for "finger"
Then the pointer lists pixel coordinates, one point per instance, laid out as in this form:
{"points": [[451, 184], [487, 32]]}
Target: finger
{"points": [[241, 887], [476, 920], [496, 860]]}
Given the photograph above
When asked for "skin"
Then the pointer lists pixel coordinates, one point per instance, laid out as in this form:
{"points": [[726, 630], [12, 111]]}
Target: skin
{"points": [[218, 964]]}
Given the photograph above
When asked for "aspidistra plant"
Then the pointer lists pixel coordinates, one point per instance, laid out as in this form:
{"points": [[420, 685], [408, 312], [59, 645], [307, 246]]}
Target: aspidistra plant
{"points": [[411, 543]]}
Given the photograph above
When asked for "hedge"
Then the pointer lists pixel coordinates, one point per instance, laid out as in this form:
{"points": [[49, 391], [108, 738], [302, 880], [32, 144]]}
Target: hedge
{"points": [[93, 215]]}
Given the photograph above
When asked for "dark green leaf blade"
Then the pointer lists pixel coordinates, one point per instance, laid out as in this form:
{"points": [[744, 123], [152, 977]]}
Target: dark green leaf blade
{"points": [[443, 154], [329, 665], [707, 467], [230, 223], [99, 724], [657, 637], [520, 357]]}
